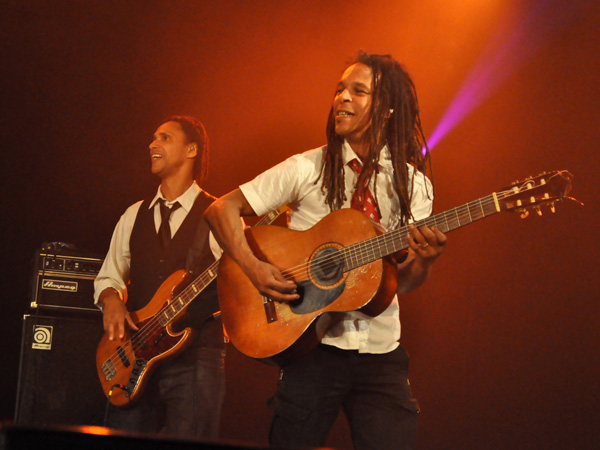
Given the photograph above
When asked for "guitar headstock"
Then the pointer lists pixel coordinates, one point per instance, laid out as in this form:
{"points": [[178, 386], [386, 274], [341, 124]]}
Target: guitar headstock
{"points": [[547, 188]]}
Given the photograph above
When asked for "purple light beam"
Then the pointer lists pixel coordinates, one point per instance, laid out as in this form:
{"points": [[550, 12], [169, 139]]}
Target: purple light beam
{"points": [[502, 57]]}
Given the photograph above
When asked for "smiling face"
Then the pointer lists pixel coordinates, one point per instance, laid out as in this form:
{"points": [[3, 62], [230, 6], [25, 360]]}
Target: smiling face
{"points": [[171, 153], [352, 104]]}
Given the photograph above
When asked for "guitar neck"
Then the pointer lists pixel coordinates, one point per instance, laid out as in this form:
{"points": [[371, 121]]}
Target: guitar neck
{"points": [[171, 311], [394, 241]]}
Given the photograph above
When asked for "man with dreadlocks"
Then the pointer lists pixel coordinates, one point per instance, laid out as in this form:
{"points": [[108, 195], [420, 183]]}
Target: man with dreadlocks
{"points": [[373, 161]]}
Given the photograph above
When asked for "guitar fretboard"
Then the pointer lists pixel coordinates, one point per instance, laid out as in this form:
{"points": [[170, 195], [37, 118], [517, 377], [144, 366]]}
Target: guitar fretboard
{"points": [[377, 247], [187, 295]]}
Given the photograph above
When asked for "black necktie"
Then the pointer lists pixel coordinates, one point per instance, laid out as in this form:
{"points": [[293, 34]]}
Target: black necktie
{"points": [[164, 232]]}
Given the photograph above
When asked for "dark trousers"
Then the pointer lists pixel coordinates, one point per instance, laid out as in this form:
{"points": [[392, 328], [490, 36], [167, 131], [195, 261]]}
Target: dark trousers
{"points": [[183, 397], [373, 390]]}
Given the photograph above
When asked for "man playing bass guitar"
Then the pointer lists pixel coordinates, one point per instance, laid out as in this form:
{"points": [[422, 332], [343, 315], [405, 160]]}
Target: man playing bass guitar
{"points": [[374, 161], [153, 239]]}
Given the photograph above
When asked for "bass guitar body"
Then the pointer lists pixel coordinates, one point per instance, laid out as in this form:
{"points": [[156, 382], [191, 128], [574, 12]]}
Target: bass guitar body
{"points": [[275, 331], [123, 365]]}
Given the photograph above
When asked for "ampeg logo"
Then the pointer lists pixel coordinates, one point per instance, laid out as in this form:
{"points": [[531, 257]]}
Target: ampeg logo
{"points": [[42, 337], [56, 285]]}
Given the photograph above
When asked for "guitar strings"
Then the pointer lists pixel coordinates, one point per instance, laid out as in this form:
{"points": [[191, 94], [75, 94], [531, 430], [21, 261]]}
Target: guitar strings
{"points": [[396, 239], [455, 216], [139, 338]]}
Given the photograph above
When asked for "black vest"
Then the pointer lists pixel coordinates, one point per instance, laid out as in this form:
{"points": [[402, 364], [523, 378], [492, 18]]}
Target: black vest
{"points": [[189, 249]]}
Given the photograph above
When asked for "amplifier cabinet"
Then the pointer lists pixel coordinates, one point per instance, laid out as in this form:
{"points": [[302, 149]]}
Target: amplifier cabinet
{"points": [[58, 383], [64, 280]]}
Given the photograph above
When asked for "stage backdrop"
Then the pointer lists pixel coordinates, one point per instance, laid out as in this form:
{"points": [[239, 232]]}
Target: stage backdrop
{"points": [[503, 338]]}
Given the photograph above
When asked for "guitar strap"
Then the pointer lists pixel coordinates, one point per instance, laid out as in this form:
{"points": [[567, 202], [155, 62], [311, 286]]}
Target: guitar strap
{"points": [[200, 256]]}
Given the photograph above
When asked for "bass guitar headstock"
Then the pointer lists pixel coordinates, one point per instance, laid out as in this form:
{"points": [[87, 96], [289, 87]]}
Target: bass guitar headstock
{"points": [[545, 189]]}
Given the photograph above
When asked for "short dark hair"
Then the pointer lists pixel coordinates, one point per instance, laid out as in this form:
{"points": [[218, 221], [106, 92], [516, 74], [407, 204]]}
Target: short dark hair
{"points": [[196, 134]]}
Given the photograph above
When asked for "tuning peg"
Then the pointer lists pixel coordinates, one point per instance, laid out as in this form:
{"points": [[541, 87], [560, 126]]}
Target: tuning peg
{"points": [[575, 200], [552, 207], [538, 210], [524, 214]]}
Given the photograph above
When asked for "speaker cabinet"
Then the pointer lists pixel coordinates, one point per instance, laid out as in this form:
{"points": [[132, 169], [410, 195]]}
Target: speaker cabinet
{"points": [[58, 383]]}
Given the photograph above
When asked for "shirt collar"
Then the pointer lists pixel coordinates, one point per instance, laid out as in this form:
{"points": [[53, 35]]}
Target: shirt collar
{"points": [[385, 159], [186, 200]]}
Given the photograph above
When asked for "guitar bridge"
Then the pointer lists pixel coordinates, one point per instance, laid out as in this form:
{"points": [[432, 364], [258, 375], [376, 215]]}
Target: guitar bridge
{"points": [[270, 310], [108, 369]]}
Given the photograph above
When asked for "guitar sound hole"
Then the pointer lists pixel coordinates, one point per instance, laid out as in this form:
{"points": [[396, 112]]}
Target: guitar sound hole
{"points": [[327, 266]]}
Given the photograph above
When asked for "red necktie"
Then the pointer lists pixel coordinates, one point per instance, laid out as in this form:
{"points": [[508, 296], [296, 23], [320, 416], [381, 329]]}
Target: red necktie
{"points": [[362, 199]]}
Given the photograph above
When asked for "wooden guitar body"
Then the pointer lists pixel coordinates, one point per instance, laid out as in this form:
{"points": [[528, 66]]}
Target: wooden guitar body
{"points": [[345, 263], [265, 329], [124, 364]]}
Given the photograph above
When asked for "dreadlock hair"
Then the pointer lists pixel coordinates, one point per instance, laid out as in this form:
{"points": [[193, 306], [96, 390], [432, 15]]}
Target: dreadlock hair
{"points": [[196, 134], [395, 121]]}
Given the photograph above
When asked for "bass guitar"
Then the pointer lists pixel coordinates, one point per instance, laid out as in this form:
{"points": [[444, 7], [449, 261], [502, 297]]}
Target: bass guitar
{"points": [[124, 365], [343, 263]]}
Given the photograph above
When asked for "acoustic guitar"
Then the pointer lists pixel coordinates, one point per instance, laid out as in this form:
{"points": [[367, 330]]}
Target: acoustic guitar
{"points": [[343, 263], [124, 365]]}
